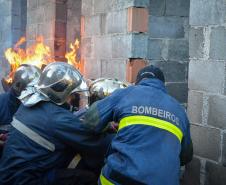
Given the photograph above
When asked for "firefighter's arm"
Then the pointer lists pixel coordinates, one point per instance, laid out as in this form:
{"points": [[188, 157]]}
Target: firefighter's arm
{"points": [[71, 131], [101, 112], [186, 147]]}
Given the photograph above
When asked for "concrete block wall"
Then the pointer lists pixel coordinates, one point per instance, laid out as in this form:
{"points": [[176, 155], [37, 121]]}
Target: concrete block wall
{"points": [[13, 26], [110, 37], [207, 95], [168, 46]]}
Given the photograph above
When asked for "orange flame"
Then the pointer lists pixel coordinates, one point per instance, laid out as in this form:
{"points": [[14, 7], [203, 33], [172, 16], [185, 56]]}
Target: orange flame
{"points": [[71, 56], [37, 54]]}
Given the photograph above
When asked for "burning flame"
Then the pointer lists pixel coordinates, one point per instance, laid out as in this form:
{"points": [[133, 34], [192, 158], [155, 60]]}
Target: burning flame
{"points": [[72, 55], [37, 54]]}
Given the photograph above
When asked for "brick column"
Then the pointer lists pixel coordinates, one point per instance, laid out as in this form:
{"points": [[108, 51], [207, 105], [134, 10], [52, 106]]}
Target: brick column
{"points": [[207, 90]]}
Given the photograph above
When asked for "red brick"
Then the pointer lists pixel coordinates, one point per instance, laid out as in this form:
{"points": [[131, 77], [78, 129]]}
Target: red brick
{"points": [[137, 19], [133, 66]]}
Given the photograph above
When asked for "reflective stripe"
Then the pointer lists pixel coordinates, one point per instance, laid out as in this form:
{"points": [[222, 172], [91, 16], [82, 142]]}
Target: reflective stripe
{"points": [[145, 120], [73, 164], [33, 135], [104, 181]]}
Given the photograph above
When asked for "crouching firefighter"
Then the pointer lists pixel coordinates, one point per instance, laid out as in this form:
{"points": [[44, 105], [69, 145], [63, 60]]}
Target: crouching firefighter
{"points": [[153, 137], [45, 136], [24, 76]]}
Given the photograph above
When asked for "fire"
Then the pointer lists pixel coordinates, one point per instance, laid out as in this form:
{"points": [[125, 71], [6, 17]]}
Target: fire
{"points": [[37, 54], [71, 56]]}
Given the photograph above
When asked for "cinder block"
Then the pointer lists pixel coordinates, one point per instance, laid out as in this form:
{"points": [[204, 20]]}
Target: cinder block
{"points": [[130, 46], [113, 69], [217, 44], [92, 25], [178, 50], [201, 76], [195, 106], [87, 7], [173, 71], [133, 66], [206, 142], [102, 47], [196, 42], [215, 174], [121, 46], [207, 12], [166, 27], [47, 30], [50, 12], [137, 19], [177, 7], [192, 173], [6, 23], [157, 7], [217, 107], [116, 22], [101, 6], [5, 8], [178, 90], [155, 47], [139, 46], [92, 68]]}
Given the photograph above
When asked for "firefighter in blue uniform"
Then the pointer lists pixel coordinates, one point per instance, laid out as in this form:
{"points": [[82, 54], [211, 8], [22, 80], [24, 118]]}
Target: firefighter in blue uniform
{"points": [[45, 136], [9, 102], [153, 137]]}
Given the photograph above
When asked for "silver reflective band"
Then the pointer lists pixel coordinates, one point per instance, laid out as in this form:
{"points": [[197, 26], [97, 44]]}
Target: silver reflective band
{"points": [[73, 164], [33, 135]]}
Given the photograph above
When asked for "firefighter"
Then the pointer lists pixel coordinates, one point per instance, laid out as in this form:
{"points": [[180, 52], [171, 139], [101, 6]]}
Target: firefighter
{"points": [[45, 136], [9, 103], [153, 137], [24, 76]]}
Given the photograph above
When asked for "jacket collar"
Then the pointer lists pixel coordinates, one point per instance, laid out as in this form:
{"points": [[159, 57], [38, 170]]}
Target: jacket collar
{"points": [[153, 82]]}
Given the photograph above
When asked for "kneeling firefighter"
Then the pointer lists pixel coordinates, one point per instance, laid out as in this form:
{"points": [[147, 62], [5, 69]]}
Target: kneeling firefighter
{"points": [[153, 137], [45, 136], [25, 75]]}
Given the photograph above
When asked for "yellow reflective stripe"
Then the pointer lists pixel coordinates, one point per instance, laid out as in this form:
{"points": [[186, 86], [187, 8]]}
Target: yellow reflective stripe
{"points": [[145, 120], [104, 181]]}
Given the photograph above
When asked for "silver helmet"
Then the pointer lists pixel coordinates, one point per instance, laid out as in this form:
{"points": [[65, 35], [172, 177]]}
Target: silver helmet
{"points": [[102, 87], [59, 80], [24, 76]]}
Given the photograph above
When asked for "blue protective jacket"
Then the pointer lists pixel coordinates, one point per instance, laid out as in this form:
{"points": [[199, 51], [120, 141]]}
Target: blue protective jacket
{"points": [[59, 135], [142, 151], [8, 107]]}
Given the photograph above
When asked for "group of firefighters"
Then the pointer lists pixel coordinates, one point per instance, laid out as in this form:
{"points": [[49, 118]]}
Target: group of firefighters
{"points": [[134, 135]]}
